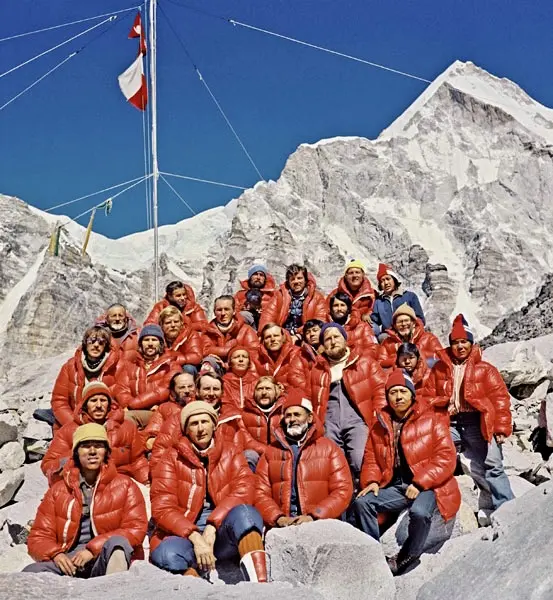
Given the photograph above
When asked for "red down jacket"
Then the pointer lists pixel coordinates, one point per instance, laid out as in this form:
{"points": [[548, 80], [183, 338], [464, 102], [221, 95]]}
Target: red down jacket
{"points": [[364, 381], [259, 426], [323, 478], [362, 302], [67, 392], [428, 449], [279, 369], [127, 447], [483, 388], [179, 487], [188, 347], [314, 306], [427, 343], [237, 388], [192, 310], [361, 336], [267, 293], [220, 344], [117, 509], [140, 389]]}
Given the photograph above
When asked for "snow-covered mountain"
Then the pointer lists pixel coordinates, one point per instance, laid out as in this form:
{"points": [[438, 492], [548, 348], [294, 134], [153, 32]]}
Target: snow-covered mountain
{"points": [[455, 194]]}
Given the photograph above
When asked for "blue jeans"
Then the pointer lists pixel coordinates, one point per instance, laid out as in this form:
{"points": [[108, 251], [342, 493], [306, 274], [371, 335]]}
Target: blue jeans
{"points": [[176, 554], [486, 459], [95, 568], [392, 499]]}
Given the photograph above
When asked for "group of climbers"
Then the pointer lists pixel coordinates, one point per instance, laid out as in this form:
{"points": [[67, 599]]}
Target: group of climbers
{"points": [[287, 407]]}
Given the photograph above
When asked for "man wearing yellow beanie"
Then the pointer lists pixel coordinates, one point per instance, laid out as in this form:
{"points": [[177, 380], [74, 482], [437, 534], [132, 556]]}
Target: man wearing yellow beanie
{"points": [[357, 286], [202, 495], [75, 536]]}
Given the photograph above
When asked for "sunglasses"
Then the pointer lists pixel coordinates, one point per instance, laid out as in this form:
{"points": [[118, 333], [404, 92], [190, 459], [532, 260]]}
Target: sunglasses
{"points": [[93, 340]]}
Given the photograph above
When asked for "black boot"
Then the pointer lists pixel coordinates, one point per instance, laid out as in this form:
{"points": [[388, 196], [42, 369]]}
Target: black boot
{"points": [[401, 562]]}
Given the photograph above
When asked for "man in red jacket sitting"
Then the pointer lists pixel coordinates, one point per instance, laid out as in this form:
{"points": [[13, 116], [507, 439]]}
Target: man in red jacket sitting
{"points": [[202, 496], [474, 394], [93, 521], [409, 463], [302, 476]]}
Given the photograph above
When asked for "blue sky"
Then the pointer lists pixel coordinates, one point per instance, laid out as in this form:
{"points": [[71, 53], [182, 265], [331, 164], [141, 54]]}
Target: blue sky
{"points": [[74, 134]]}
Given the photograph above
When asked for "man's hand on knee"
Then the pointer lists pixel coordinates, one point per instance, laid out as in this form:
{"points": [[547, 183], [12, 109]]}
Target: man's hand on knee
{"points": [[372, 487], [65, 564], [203, 551]]}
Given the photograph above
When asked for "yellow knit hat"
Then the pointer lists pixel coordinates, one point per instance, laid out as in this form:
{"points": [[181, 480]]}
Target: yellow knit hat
{"points": [[355, 264], [89, 432]]}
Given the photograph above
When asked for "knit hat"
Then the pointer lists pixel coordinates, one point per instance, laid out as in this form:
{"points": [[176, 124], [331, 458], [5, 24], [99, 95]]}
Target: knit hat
{"points": [[257, 269], [236, 348], [461, 330], [89, 432], [354, 264], [404, 309], [328, 326], [297, 397], [93, 388], [387, 270], [215, 362], [151, 329], [197, 407], [400, 377]]}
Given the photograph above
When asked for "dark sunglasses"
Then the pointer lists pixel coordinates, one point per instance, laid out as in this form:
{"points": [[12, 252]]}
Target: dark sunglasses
{"points": [[93, 340]]}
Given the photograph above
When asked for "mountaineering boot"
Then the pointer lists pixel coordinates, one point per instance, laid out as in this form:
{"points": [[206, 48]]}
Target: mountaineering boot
{"points": [[401, 562], [254, 566]]}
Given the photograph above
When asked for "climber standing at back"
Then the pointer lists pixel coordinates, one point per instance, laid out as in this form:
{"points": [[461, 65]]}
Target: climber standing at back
{"points": [[391, 297], [357, 286], [181, 296]]}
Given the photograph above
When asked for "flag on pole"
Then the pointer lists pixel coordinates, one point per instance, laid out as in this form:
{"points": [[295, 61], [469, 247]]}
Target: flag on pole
{"points": [[133, 81]]}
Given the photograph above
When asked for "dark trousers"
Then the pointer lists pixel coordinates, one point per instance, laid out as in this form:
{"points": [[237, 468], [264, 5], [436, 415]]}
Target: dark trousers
{"points": [[95, 568], [392, 499], [176, 554]]}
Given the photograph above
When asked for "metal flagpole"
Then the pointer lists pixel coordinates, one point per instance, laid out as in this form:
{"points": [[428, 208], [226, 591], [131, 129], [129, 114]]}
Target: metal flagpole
{"points": [[155, 169]]}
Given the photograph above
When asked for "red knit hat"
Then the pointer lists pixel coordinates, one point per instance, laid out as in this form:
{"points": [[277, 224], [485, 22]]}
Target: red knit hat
{"points": [[297, 397], [387, 270], [238, 347], [94, 388], [400, 377], [461, 330]]}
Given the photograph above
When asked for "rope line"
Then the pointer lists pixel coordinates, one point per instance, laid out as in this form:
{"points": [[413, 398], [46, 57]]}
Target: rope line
{"points": [[323, 49], [216, 102], [229, 185], [57, 46], [29, 87], [94, 193], [20, 35], [179, 196]]}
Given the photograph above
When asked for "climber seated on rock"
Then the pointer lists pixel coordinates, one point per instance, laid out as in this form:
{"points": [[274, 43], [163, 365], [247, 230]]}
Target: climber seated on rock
{"points": [[123, 329], [241, 377], [409, 463], [406, 327], [408, 358], [295, 302], [227, 330], [302, 476], [181, 341], [259, 281], [182, 297], [96, 359], [93, 521], [346, 388], [182, 391], [202, 495], [261, 415], [475, 396], [390, 298], [129, 454], [356, 286], [277, 354], [299, 374], [360, 333]]}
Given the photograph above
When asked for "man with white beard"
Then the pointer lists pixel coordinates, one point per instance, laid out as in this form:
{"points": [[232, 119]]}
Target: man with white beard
{"points": [[302, 476], [123, 329]]}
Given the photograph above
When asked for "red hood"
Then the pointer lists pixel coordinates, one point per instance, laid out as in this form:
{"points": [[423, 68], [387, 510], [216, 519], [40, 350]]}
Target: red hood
{"points": [[311, 286], [366, 288]]}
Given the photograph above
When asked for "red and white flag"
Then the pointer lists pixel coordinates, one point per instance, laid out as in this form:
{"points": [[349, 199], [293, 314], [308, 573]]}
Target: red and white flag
{"points": [[133, 81]]}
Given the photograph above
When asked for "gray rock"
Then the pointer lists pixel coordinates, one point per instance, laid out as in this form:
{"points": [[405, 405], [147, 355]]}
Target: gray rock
{"points": [[12, 456], [34, 486], [37, 430], [333, 558], [9, 482], [14, 559], [515, 565], [8, 428]]}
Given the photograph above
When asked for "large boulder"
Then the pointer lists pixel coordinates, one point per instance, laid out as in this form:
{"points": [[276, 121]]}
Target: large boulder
{"points": [[8, 428], [9, 482], [12, 456], [332, 557], [512, 564]]}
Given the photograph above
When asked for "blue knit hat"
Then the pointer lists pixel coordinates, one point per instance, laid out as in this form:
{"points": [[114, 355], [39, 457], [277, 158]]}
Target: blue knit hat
{"points": [[151, 329], [258, 269], [328, 326]]}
